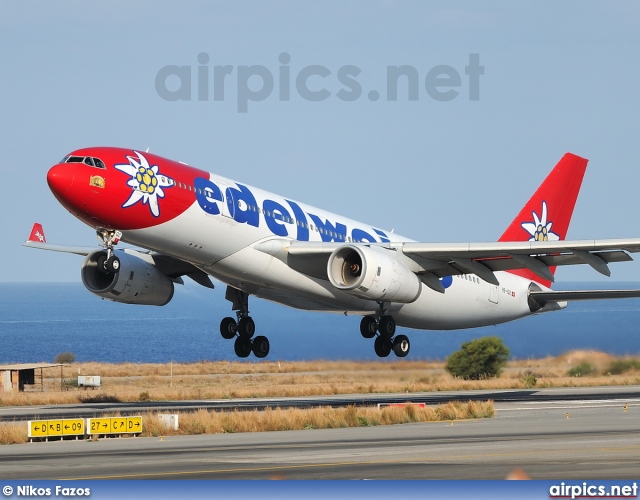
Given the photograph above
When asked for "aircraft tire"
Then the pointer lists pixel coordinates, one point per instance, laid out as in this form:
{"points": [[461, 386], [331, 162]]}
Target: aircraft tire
{"points": [[260, 346], [246, 327], [368, 327], [382, 346], [113, 264], [242, 347], [401, 345], [228, 328], [387, 327], [101, 264]]}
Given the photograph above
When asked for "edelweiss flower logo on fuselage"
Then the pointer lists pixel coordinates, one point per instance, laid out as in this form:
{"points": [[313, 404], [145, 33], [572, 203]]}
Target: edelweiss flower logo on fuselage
{"points": [[146, 181], [540, 229]]}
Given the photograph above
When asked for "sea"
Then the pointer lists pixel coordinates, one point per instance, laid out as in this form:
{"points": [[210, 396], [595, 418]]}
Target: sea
{"points": [[40, 320]]}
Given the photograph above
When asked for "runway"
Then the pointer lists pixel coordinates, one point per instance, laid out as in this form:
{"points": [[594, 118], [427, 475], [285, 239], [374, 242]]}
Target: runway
{"points": [[599, 439], [87, 410]]}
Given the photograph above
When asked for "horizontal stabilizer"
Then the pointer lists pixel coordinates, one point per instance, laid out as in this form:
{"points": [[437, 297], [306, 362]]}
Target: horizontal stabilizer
{"points": [[563, 296]]}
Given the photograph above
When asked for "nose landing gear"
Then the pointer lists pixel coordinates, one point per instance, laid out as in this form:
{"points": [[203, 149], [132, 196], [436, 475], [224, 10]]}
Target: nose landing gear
{"points": [[109, 263]]}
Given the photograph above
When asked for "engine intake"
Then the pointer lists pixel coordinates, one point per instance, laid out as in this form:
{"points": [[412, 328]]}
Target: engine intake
{"points": [[372, 273], [138, 281]]}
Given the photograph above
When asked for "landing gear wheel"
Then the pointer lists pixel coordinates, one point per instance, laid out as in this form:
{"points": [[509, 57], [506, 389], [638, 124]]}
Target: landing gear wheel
{"points": [[387, 326], [382, 346], [101, 263], [246, 327], [113, 264], [228, 328], [242, 347], [260, 346], [368, 327], [401, 346]]}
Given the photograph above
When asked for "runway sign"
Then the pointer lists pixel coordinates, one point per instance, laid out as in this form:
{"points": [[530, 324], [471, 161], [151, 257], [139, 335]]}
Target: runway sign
{"points": [[114, 425], [73, 427], [98, 426], [55, 428]]}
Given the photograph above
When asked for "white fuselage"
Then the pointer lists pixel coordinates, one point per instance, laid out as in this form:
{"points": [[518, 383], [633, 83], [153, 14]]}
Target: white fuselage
{"points": [[219, 233]]}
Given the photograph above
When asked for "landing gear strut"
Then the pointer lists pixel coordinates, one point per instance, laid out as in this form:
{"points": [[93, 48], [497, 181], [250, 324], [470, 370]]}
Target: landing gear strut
{"points": [[383, 327], [109, 264], [243, 328]]}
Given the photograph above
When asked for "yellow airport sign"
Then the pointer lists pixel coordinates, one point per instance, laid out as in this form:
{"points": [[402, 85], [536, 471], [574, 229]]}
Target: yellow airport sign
{"points": [[118, 425], [37, 428], [114, 425], [134, 424], [54, 428], [73, 427], [98, 426]]}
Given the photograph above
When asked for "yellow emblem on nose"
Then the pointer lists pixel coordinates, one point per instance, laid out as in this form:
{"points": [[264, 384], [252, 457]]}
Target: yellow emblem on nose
{"points": [[96, 181]]}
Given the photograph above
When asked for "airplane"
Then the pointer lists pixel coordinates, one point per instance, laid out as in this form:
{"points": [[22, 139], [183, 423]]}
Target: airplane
{"points": [[189, 222]]}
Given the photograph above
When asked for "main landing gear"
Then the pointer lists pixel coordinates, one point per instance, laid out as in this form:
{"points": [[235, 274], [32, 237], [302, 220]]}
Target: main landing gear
{"points": [[109, 263], [383, 327], [244, 328]]}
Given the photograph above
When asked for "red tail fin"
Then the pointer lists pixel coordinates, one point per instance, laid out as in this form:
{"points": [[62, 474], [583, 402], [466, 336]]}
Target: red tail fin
{"points": [[547, 214], [37, 234]]}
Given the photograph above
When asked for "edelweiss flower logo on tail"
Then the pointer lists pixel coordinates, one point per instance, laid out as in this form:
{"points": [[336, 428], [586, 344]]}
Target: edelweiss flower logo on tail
{"points": [[540, 229], [146, 181]]}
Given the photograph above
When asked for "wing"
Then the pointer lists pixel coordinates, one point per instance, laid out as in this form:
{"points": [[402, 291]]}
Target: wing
{"points": [[432, 261], [169, 266], [483, 259]]}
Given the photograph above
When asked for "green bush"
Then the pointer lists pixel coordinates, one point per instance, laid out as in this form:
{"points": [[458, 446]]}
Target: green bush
{"points": [[622, 365], [481, 358], [69, 383], [64, 358], [582, 370], [528, 379]]}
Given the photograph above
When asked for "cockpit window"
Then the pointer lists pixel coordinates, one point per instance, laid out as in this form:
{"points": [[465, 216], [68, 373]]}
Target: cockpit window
{"points": [[87, 160]]}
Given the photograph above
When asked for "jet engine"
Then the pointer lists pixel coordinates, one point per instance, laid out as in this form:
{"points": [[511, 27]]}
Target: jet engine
{"points": [[372, 273], [137, 281]]}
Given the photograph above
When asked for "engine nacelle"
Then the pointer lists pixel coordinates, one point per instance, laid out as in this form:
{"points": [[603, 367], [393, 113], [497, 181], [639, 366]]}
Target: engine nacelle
{"points": [[137, 281], [372, 273]]}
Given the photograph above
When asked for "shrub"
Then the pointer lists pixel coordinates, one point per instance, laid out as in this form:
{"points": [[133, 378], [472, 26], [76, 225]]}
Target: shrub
{"points": [[69, 383], [582, 369], [622, 365], [528, 379], [481, 358], [64, 358]]}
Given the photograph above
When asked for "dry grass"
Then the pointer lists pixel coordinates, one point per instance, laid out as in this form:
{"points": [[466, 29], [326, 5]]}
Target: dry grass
{"points": [[279, 419], [226, 380]]}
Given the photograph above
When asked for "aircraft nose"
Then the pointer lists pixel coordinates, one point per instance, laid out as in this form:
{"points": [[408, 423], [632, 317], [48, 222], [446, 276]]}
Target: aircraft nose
{"points": [[60, 179]]}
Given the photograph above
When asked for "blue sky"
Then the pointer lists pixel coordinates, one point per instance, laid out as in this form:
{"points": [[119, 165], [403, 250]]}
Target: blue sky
{"points": [[558, 76]]}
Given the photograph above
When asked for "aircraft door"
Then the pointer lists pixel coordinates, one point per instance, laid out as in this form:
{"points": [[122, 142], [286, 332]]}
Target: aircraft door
{"points": [[228, 206], [493, 294]]}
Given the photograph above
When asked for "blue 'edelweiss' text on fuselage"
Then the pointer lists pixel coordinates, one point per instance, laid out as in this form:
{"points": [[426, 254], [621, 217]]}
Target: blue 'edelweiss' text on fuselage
{"points": [[243, 208]]}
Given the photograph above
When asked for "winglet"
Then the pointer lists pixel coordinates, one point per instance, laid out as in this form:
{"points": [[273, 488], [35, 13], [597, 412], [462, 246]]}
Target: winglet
{"points": [[38, 240], [37, 234], [547, 214]]}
